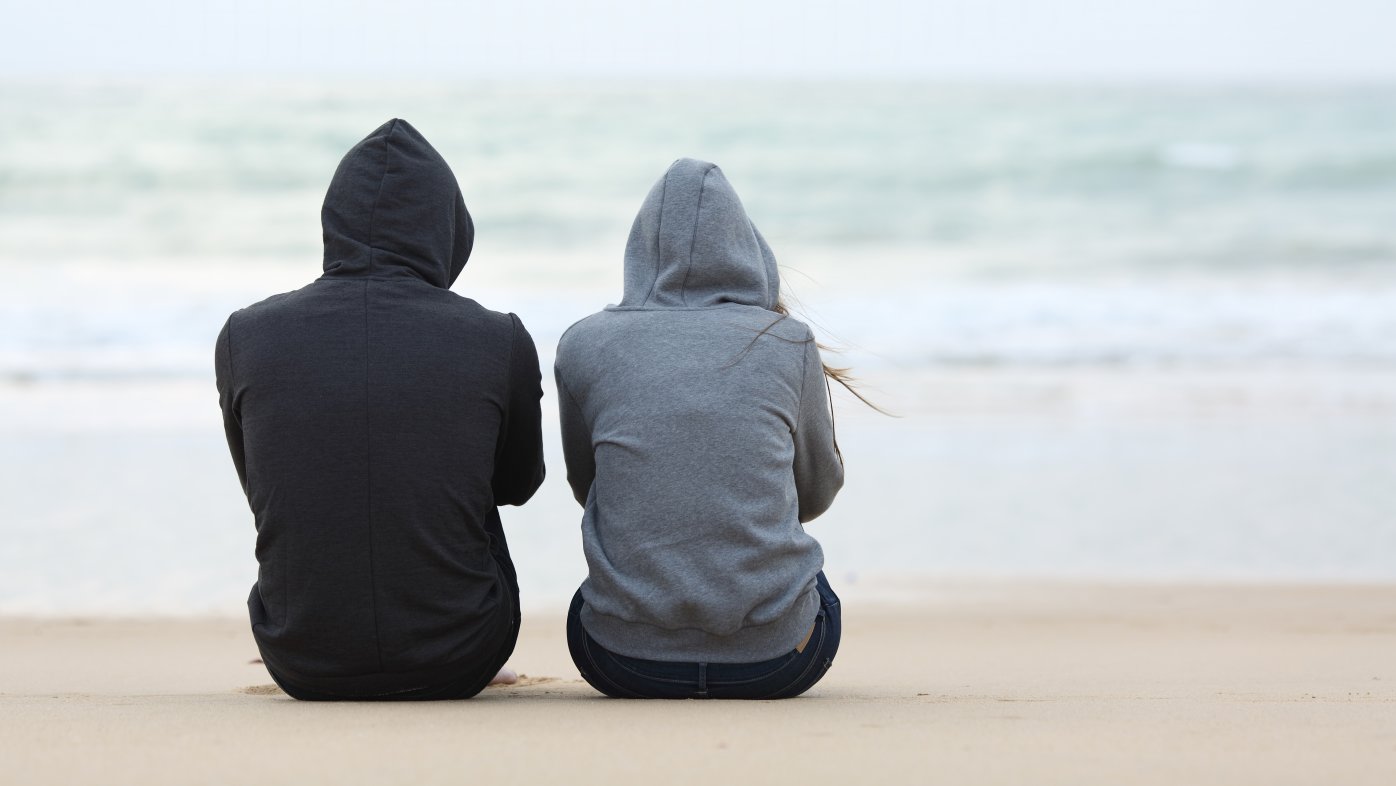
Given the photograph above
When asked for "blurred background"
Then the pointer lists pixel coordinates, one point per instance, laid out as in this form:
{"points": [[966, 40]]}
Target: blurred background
{"points": [[1126, 271]]}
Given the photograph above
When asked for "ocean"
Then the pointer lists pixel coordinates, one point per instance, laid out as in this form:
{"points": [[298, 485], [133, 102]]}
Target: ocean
{"points": [[1130, 332]]}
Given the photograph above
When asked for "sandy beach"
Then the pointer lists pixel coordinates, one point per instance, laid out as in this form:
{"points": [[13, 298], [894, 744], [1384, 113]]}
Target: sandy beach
{"points": [[969, 682], [1137, 323]]}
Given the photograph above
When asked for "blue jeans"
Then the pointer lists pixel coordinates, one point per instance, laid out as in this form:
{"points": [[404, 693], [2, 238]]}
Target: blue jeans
{"points": [[788, 675]]}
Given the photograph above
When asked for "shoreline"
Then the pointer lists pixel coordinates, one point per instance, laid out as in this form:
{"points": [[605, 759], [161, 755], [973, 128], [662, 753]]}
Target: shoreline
{"points": [[1029, 472], [968, 682]]}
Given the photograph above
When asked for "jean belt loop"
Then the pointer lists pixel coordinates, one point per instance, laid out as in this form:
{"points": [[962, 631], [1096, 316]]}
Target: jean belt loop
{"points": [[702, 680]]}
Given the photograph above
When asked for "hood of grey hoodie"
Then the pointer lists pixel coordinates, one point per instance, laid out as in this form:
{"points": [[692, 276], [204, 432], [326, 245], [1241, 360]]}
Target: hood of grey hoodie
{"points": [[693, 246]]}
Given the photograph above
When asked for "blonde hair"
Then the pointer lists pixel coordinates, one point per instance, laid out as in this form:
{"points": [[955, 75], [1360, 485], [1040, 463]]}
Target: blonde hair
{"points": [[843, 376], [839, 374]]}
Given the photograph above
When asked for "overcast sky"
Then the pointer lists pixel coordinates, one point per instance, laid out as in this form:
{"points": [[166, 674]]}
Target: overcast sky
{"points": [[1311, 40]]}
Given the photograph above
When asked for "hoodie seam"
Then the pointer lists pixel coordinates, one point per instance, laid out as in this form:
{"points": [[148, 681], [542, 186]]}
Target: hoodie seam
{"points": [[368, 489], [693, 240], [232, 369], [385, 279], [378, 197], [508, 394], [658, 234], [562, 386], [726, 304], [804, 376]]}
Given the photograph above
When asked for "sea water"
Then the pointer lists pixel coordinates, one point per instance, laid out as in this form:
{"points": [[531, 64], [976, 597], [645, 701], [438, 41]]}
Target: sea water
{"points": [[1131, 332]]}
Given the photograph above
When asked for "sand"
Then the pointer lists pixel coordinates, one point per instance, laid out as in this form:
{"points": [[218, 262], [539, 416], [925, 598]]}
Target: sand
{"points": [[964, 683]]}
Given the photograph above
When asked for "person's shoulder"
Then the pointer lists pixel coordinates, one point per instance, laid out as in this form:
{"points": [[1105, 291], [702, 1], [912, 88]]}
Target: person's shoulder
{"points": [[587, 328], [769, 323], [265, 308], [793, 329], [478, 315], [468, 305]]}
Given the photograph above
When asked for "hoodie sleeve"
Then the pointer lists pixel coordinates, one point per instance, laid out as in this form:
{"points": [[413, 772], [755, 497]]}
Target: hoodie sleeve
{"points": [[818, 464], [518, 468], [576, 442], [232, 423]]}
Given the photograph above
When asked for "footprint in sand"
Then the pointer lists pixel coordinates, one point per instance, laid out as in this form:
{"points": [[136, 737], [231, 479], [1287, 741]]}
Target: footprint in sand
{"points": [[525, 681]]}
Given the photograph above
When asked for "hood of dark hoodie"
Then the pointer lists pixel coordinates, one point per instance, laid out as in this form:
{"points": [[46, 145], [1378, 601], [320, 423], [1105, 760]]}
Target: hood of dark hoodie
{"points": [[394, 209], [692, 246]]}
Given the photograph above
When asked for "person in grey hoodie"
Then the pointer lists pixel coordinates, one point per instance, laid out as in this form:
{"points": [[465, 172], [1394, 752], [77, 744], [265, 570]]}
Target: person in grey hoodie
{"points": [[698, 436]]}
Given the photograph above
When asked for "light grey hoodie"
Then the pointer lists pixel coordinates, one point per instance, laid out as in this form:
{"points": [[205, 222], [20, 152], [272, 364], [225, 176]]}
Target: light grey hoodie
{"points": [[697, 443]]}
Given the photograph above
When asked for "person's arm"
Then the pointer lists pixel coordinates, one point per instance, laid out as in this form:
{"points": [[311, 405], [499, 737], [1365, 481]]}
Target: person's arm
{"points": [[576, 442], [232, 422], [518, 467], [818, 465]]}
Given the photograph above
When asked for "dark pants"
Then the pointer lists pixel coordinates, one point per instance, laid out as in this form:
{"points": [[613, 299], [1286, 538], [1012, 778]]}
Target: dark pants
{"points": [[791, 674], [470, 679]]}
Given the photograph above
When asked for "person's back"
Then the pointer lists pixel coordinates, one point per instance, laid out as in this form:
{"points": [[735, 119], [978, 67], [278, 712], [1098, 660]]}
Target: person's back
{"points": [[697, 435], [376, 420], [691, 527]]}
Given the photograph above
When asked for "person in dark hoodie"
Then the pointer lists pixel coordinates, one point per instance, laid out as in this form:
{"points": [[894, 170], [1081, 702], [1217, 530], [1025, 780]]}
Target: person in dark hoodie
{"points": [[698, 437], [377, 420]]}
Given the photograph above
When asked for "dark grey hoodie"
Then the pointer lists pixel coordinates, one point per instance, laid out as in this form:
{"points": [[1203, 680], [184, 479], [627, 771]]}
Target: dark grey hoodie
{"points": [[376, 420], [697, 443]]}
